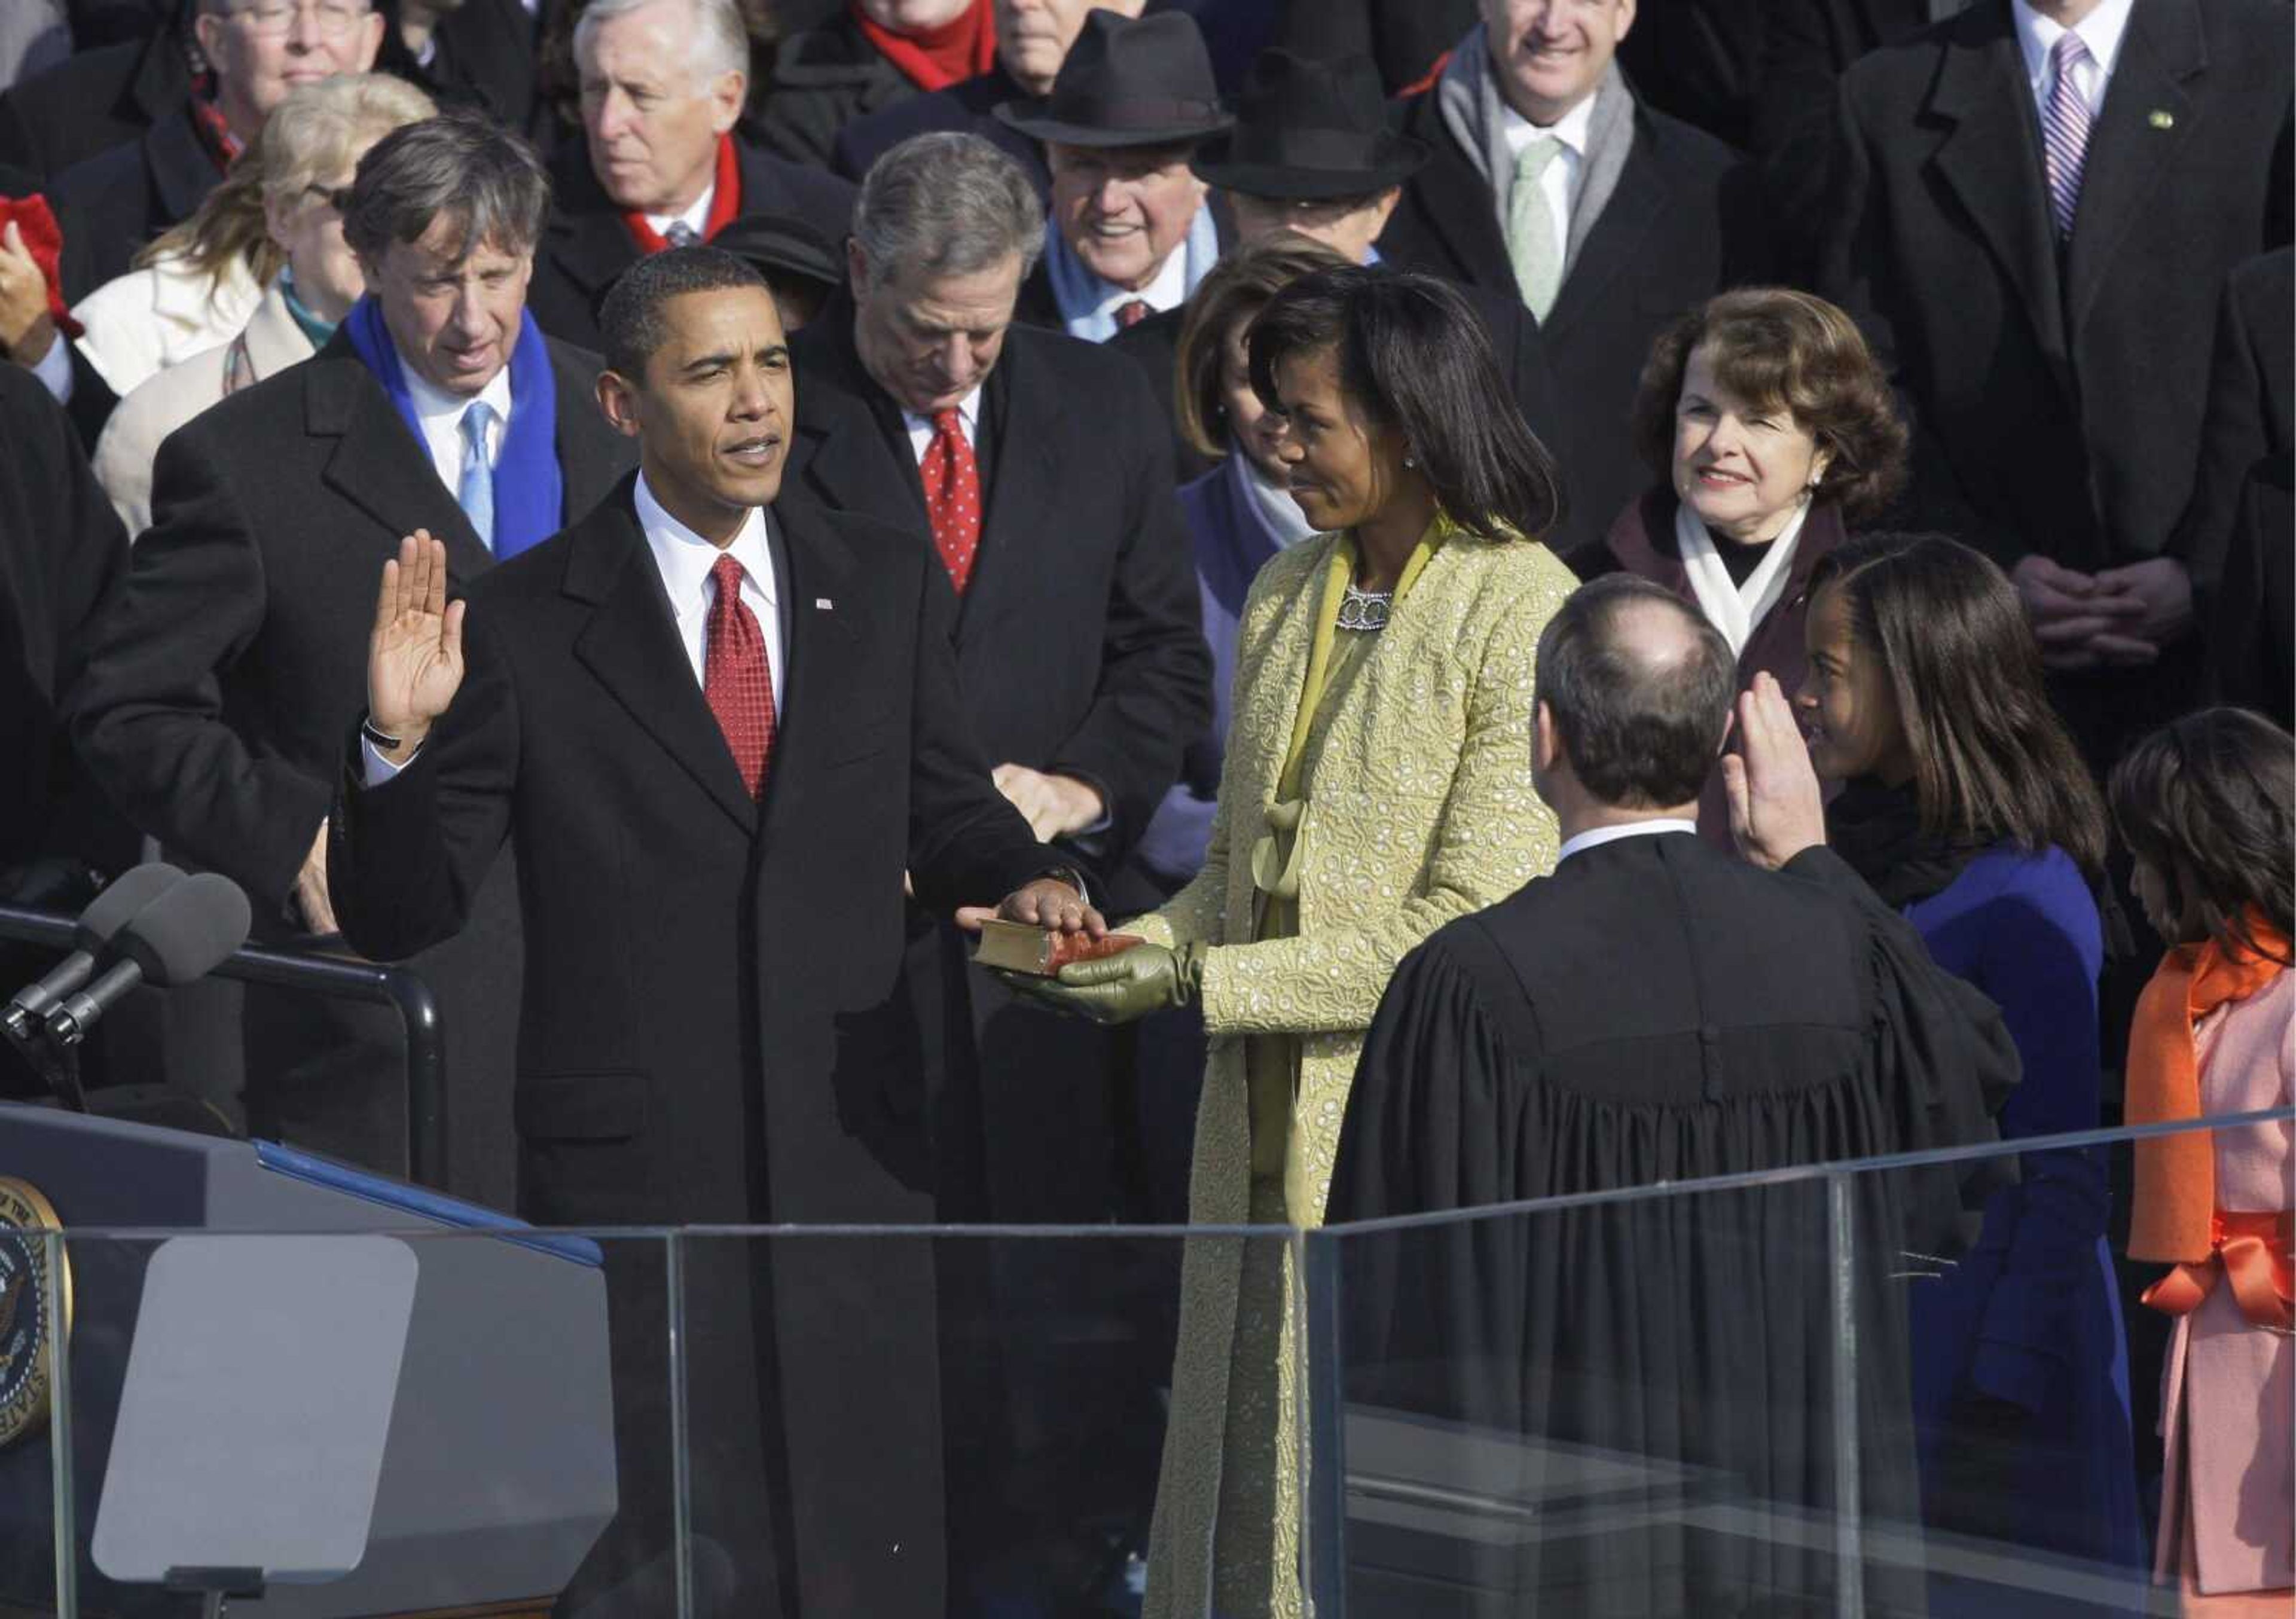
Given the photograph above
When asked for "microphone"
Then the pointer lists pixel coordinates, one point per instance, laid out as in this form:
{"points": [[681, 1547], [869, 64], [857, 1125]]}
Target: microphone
{"points": [[184, 934], [106, 915]]}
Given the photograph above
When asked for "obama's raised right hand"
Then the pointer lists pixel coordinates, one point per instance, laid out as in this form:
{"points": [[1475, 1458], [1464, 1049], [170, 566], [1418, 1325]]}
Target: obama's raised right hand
{"points": [[415, 655]]}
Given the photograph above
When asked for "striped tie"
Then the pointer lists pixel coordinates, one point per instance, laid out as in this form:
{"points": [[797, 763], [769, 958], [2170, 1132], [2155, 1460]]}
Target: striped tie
{"points": [[2064, 130]]}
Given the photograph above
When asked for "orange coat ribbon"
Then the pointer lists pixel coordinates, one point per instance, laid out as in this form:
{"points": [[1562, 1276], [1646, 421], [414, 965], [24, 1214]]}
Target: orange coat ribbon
{"points": [[2254, 1250]]}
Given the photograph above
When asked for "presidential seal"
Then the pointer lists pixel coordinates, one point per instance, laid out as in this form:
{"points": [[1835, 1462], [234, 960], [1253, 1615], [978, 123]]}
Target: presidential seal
{"points": [[28, 1334]]}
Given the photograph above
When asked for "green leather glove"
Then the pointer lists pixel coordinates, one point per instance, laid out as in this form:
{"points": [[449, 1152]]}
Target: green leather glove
{"points": [[1120, 989]]}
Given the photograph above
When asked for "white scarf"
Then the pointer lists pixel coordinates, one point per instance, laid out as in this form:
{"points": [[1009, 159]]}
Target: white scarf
{"points": [[1732, 608]]}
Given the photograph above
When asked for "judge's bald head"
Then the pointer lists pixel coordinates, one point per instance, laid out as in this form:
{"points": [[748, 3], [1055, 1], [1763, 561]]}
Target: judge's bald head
{"points": [[1635, 689]]}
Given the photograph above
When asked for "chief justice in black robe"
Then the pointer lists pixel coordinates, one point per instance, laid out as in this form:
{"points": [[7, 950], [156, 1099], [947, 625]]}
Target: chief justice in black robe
{"points": [[1661, 1370]]}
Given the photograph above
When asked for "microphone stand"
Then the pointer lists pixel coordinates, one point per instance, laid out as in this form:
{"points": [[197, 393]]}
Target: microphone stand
{"points": [[52, 1059]]}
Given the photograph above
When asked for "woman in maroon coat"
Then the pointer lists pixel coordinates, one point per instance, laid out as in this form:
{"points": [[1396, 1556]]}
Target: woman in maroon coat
{"points": [[1771, 428]]}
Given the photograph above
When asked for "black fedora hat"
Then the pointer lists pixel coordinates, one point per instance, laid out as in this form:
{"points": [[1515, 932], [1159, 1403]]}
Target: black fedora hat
{"points": [[1143, 81], [1308, 129], [780, 245]]}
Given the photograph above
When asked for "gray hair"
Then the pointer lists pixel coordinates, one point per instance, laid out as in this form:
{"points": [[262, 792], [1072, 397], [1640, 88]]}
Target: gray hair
{"points": [[718, 42], [946, 204], [319, 131], [477, 174]]}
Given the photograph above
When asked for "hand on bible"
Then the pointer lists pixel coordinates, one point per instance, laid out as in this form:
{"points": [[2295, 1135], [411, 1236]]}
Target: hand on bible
{"points": [[415, 656], [1047, 902], [1776, 808], [1119, 989]]}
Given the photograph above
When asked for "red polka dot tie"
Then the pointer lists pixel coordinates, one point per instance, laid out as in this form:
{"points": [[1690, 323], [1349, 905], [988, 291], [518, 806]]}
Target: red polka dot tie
{"points": [[952, 480], [737, 678]]}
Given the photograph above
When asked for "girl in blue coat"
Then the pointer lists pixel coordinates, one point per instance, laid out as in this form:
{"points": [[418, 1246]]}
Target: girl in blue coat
{"points": [[1964, 802]]}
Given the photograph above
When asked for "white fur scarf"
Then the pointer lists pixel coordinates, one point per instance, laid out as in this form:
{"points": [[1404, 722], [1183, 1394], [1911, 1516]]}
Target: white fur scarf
{"points": [[1732, 608]]}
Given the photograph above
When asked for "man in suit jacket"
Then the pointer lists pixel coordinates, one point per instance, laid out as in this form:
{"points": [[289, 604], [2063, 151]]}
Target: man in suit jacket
{"points": [[721, 722], [660, 163], [1657, 1009], [480, 52], [1807, 45], [1643, 218], [864, 58], [221, 679], [1052, 517], [1130, 235], [2238, 555], [92, 101], [1034, 468], [1033, 39], [1311, 155], [62, 553], [2049, 318], [257, 51]]}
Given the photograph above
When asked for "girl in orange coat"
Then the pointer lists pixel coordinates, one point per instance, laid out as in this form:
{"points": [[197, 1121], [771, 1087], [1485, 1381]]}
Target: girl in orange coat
{"points": [[2204, 805]]}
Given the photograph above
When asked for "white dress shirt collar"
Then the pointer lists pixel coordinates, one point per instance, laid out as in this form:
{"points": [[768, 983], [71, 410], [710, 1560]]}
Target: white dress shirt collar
{"points": [[1571, 128], [2101, 31], [685, 559], [432, 402], [693, 219], [920, 428], [441, 413], [1594, 837], [1168, 291]]}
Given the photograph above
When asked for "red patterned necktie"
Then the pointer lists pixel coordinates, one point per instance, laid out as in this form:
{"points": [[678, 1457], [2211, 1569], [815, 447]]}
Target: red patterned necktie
{"points": [[1131, 312], [737, 678], [952, 480]]}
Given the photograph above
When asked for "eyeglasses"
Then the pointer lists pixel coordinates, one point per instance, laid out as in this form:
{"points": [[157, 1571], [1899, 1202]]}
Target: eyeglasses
{"points": [[274, 18]]}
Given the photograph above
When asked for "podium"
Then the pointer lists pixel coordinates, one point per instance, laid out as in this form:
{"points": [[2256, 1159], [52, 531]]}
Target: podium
{"points": [[374, 1400]]}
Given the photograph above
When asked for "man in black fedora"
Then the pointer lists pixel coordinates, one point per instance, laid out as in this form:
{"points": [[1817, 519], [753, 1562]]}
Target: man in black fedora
{"points": [[1311, 153], [804, 268], [1129, 235]]}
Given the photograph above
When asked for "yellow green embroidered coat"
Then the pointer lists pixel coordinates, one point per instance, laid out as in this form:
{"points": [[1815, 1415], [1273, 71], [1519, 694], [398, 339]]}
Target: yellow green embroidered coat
{"points": [[1419, 808]]}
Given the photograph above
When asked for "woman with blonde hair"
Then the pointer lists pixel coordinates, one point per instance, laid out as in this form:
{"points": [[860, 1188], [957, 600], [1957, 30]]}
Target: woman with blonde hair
{"points": [[1376, 786], [196, 284], [286, 189]]}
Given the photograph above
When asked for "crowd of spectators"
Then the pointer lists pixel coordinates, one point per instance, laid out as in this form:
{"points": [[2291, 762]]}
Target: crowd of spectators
{"points": [[1242, 388]]}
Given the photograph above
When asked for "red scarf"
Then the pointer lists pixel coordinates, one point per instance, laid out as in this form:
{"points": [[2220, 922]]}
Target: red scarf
{"points": [[934, 59], [35, 224], [207, 123], [725, 203]]}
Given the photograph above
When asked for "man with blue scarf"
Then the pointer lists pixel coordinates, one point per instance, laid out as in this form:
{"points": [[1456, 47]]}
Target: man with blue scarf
{"points": [[1129, 235], [223, 675]]}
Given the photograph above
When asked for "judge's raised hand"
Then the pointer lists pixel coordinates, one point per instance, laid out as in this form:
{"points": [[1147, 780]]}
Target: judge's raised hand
{"points": [[415, 656], [1776, 808], [1053, 805]]}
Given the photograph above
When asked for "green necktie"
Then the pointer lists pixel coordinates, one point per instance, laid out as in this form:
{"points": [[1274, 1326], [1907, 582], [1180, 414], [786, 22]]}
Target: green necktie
{"points": [[1531, 238]]}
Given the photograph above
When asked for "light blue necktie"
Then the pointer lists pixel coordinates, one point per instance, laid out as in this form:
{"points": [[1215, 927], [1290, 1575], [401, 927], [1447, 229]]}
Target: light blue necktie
{"points": [[475, 493]]}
